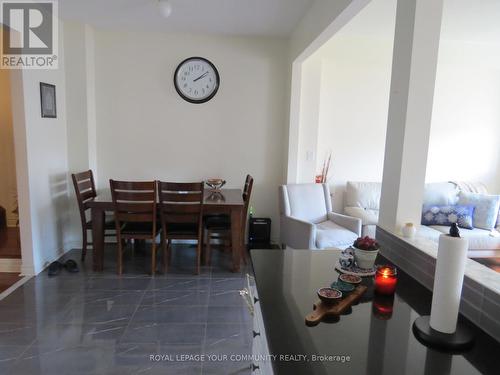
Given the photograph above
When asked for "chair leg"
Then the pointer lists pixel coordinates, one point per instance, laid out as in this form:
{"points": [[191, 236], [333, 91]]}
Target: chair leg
{"points": [[245, 254], [163, 252], [168, 251], [153, 257], [227, 245], [208, 256], [198, 256], [84, 244], [119, 255]]}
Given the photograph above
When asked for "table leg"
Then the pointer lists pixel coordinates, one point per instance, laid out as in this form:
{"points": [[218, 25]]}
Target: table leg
{"points": [[236, 230], [97, 239]]}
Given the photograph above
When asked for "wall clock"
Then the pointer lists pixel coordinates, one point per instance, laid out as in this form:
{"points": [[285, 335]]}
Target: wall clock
{"points": [[196, 80]]}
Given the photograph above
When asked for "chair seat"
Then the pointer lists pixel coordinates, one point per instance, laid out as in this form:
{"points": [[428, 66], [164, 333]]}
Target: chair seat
{"points": [[138, 228], [182, 229], [331, 235], [220, 222]]}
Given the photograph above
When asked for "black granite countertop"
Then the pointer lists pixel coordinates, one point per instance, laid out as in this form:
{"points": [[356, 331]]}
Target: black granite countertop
{"points": [[368, 339]]}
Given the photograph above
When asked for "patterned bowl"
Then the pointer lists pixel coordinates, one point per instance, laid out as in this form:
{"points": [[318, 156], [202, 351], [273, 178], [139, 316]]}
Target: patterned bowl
{"points": [[329, 295], [345, 288], [350, 279]]}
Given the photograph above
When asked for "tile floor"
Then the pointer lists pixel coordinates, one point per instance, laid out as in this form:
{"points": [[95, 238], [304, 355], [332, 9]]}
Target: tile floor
{"points": [[99, 323]]}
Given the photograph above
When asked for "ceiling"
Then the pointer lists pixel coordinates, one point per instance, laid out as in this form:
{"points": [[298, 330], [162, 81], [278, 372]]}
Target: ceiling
{"points": [[231, 17], [463, 20]]}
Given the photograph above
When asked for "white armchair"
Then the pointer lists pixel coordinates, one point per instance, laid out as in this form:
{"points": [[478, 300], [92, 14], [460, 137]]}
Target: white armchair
{"points": [[308, 222]]}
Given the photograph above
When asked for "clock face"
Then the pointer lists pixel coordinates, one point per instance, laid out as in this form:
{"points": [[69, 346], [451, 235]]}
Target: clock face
{"points": [[196, 80]]}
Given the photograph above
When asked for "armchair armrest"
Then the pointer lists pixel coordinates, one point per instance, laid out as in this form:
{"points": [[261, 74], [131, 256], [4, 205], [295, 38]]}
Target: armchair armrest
{"points": [[298, 234], [351, 223]]}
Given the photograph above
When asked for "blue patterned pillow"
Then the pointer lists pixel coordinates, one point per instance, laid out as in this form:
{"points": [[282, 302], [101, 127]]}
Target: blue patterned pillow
{"points": [[446, 215], [486, 208]]}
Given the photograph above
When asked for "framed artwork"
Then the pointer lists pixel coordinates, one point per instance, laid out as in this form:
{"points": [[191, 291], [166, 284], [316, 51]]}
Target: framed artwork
{"points": [[48, 100]]}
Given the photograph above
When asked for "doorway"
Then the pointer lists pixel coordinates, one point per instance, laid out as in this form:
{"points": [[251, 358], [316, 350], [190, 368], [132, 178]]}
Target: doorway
{"points": [[10, 243]]}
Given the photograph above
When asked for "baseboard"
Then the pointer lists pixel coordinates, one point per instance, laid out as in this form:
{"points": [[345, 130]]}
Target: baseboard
{"points": [[27, 269], [10, 265]]}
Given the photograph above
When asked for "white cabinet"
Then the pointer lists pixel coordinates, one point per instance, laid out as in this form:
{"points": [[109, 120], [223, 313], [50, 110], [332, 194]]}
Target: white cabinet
{"points": [[262, 364]]}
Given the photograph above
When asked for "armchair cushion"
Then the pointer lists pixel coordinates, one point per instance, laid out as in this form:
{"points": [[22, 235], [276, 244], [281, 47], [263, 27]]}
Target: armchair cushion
{"points": [[332, 235]]}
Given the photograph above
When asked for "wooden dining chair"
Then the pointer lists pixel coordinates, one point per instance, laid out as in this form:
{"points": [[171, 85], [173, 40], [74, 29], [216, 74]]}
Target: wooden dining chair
{"points": [[219, 227], [85, 191], [181, 212], [135, 215]]}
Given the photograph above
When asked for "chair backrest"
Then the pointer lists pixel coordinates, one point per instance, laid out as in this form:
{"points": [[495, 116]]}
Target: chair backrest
{"points": [[181, 202], [362, 194], [134, 201], [309, 202], [247, 193], [84, 185]]}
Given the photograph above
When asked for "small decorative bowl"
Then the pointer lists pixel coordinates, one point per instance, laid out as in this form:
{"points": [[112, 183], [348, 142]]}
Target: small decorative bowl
{"points": [[215, 183], [345, 288], [329, 295], [350, 279]]}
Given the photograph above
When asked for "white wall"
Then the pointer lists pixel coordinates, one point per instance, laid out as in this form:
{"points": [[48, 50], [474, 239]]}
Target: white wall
{"points": [[315, 24], [146, 131], [465, 133], [323, 19], [354, 100], [310, 92], [8, 191], [42, 166], [78, 101]]}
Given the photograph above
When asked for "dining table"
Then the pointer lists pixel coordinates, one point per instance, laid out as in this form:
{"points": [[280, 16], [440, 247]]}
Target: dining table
{"points": [[224, 201]]}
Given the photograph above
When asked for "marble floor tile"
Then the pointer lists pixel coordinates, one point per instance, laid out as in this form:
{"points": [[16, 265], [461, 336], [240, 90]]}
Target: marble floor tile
{"points": [[101, 323], [165, 333], [195, 297]]}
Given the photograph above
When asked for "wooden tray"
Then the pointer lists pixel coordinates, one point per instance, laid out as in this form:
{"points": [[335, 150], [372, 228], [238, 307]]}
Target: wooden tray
{"points": [[322, 310]]}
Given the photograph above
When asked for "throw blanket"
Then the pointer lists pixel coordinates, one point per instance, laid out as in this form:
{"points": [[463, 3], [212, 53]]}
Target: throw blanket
{"points": [[471, 187]]}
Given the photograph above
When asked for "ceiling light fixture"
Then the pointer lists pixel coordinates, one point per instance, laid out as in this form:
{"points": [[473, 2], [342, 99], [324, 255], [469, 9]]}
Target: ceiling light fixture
{"points": [[165, 8]]}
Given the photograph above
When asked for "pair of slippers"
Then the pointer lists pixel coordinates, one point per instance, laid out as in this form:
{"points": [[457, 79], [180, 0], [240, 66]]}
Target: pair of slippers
{"points": [[55, 267]]}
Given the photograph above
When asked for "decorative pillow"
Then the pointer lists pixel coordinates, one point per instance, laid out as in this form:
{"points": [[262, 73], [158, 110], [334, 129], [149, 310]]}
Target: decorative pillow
{"points": [[446, 215], [486, 208]]}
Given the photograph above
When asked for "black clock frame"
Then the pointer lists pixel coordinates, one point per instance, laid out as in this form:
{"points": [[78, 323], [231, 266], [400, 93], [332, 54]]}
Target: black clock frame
{"points": [[217, 79]]}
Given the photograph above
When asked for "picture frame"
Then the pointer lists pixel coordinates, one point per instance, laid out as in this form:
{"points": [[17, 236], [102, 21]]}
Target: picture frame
{"points": [[48, 100]]}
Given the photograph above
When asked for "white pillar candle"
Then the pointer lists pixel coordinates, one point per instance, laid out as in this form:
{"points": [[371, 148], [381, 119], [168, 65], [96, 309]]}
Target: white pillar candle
{"points": [[448, 280]]}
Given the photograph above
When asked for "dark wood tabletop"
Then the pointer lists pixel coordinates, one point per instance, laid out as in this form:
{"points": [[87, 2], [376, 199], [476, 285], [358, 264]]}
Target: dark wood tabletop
{"points": [[225, 197]]}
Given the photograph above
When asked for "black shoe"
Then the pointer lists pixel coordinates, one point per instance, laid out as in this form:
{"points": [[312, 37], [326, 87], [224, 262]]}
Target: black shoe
{"points": [[71, 266], [55, 268]]}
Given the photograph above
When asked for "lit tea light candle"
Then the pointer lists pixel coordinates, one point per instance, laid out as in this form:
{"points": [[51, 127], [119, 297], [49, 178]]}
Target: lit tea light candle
{"points": [[385, 280]]}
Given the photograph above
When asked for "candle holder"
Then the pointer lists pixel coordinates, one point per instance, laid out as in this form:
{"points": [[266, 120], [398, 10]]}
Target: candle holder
{"points": [[385, 280]]}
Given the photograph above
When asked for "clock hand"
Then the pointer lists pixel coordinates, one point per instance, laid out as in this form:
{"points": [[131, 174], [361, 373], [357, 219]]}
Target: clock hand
{"points": [[200, 77]]}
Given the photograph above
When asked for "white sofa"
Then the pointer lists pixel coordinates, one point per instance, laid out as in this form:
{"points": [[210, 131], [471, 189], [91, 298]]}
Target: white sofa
{"points": [[362, 200], [308, 222]]}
